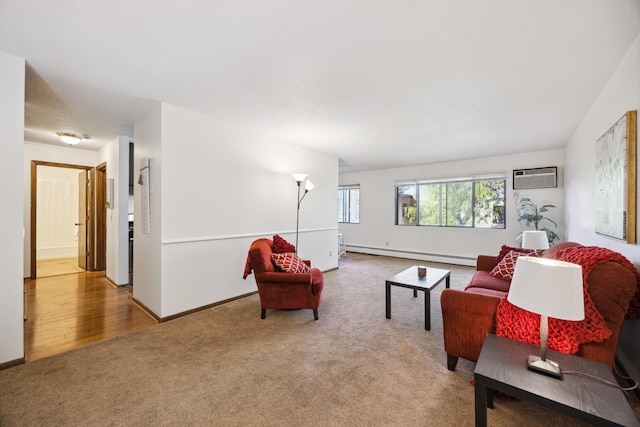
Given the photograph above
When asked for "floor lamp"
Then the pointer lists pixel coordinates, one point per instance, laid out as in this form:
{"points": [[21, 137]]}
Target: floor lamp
{"points": [[308, 186]]}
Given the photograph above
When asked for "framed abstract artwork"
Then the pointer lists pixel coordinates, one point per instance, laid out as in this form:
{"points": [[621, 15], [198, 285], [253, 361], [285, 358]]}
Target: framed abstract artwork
{"points": [[615, 199]]}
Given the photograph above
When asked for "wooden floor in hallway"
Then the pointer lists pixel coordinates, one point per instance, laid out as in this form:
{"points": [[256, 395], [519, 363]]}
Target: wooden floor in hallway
{"points": [[72, 310], [57, 267]]}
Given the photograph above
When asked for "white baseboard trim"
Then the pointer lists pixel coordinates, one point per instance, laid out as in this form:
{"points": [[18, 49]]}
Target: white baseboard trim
{"points": [[56, 252]]}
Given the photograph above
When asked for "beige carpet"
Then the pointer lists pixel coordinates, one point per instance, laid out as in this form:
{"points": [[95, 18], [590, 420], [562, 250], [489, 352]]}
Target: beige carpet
{"points": [[224, 366]]}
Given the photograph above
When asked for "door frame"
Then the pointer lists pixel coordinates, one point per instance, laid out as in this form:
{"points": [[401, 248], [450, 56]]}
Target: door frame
{"points": [[91, 211], [82, 221], [101, 217]]}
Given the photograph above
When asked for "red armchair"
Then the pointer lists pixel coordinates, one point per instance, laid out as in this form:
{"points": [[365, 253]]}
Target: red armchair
{"points": [[280, 290]]}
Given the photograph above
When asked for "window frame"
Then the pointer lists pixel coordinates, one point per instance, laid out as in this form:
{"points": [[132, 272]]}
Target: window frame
{"points": [[443, 208], [345, 204]]}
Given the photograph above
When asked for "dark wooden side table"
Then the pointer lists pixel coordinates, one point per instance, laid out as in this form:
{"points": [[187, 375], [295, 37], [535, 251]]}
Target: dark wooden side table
{"points": [[502, 366], [409, 279]]}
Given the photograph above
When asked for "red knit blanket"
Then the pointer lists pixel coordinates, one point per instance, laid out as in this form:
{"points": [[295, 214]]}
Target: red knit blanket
{"points": [[564, 335], [589, 257]]}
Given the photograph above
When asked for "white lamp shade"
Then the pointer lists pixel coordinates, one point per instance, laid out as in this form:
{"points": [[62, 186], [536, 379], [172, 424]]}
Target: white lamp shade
{"points": [[548, 287], [535, 240], [308, 186], [299, 177]]}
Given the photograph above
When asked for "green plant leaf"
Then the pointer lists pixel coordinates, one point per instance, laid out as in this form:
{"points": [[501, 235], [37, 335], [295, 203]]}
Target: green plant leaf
{"points": [[532, 215]]}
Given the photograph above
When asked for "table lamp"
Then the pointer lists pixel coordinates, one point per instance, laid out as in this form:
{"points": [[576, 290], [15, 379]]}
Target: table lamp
{"points": [[550, 288], [535, 239]]}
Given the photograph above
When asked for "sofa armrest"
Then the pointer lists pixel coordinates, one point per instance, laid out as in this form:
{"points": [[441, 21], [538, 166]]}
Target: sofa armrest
{"points": [[486, 262], [611, 287], [280, 277], [467, 318]]}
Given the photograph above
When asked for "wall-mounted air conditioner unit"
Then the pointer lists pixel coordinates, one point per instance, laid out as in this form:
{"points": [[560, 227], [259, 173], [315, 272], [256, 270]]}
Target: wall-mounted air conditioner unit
{"points": [[535, 178]]}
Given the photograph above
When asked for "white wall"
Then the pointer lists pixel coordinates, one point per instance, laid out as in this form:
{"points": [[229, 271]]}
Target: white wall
{"points": [[620, 94], [47, 153], [220, 187], [12, 87], [378, 234], [147, 279], [116, 155]]}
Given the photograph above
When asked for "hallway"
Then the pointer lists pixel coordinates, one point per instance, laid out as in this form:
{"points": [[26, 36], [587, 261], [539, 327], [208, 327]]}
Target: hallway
{"points": [[69, 311], [57, 267]]}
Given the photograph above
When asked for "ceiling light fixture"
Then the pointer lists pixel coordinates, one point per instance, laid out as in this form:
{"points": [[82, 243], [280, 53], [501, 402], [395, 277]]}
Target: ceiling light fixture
{"points": [[69, 138]]}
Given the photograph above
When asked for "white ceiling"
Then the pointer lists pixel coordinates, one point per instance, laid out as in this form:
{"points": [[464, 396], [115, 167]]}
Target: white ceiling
{"points": [[380, 83]]}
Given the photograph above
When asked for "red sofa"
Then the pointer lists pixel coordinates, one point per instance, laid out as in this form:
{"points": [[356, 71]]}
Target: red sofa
{"points": [[280, 290], [469, 315]]}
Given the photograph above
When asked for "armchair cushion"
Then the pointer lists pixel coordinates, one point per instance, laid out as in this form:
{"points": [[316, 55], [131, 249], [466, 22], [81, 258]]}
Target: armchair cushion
{"points": [[504, 250], [281, 246], [290, 263], [506, 266], [482, 280]]}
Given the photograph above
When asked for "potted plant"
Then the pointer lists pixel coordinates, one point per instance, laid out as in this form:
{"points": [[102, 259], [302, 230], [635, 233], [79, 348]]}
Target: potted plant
{"points": [[532, 215]]}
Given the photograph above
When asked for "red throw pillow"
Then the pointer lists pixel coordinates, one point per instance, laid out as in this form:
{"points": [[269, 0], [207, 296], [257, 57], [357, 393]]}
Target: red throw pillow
{"points": [[506, 249], [504, 269], [281, 246], [290, 263]]}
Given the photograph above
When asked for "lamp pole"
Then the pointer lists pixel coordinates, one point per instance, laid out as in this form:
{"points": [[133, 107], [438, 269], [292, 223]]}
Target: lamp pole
{"points": [[298, 215], [300, 178]]}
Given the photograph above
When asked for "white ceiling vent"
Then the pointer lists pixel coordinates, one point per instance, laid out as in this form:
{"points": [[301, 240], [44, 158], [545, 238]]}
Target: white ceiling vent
{"points": [[535, 178]]}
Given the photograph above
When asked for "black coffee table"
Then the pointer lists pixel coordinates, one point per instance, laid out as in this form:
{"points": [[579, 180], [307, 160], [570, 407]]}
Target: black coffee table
{"points": [[409, 279], [502, 366]]}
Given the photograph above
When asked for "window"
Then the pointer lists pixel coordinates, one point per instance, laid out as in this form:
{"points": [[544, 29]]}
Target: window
{"points": [[349, 204], [463, 202]]}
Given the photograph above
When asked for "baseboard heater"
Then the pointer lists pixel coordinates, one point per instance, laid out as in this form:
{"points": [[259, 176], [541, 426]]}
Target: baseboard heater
{"points": [[354, 248]]}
